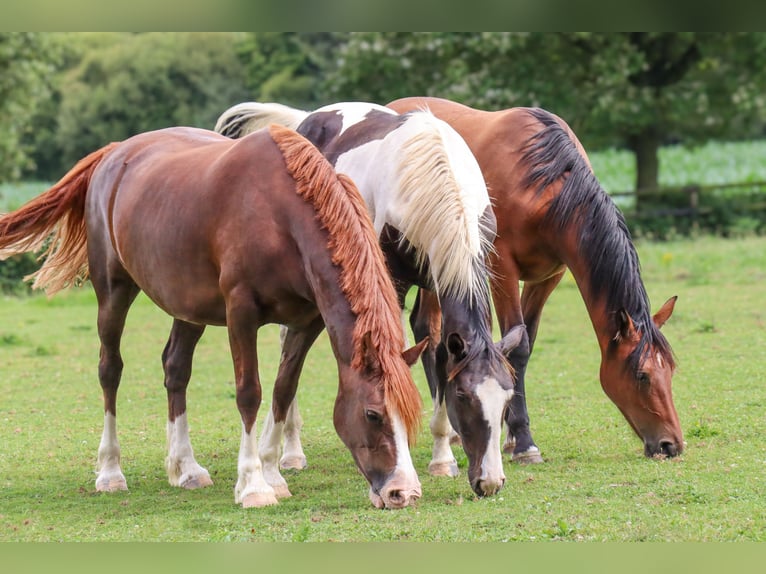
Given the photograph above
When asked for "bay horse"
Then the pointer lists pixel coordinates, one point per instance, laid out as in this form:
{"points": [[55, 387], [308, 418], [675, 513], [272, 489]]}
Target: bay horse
{"points": [[430, 208], [552, 214], [236, 233]]}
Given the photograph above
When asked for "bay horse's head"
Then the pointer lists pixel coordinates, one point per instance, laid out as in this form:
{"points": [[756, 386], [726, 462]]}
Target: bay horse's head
{"points": [[376, 419], [636, 371]]}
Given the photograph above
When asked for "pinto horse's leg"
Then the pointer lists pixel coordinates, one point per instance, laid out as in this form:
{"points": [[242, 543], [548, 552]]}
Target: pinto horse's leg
{"points": [[426, 321], [242, 316], [114, 300], [295, 347], [181, 467]]}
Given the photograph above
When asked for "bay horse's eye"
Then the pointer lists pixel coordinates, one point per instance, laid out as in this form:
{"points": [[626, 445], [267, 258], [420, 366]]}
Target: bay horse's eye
{"points": [[373, 416], [642, 378]]}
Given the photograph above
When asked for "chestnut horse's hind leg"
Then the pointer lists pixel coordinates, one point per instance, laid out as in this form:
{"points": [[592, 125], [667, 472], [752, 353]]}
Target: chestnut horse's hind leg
{"points": [[183, 470], [295, 347], [113, 305], [426, 322]]}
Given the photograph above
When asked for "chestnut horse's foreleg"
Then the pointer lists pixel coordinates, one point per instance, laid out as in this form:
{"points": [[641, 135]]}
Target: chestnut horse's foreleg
{"points": [[284, 409], [425, 321], [180, 464], [113, 304], [242, 316]]}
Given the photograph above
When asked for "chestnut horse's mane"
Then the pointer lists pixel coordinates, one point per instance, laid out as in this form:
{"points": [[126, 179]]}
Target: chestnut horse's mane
{"points": [[603, 235], [364, 277]]}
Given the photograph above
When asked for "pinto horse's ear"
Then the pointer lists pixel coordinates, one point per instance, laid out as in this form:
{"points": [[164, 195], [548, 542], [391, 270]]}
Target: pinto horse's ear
{"points": [[512, 339], [625, 327], [411, 355], [456, 346], [661, 316], [370, 354]]}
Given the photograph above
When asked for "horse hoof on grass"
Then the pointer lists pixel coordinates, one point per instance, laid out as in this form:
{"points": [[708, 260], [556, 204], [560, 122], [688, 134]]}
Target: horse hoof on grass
{"points": [[293, 463], [530, 456], [196, 482], [281, 491], [111, 485], [259, 499], [443, 469]]}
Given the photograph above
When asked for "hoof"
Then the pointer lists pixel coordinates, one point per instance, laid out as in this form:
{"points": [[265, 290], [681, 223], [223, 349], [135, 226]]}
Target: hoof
{"points": [[281, 491], [259, 499], [293, 463], [196, 482], [443, 469], [114, 484], [530, 456]]}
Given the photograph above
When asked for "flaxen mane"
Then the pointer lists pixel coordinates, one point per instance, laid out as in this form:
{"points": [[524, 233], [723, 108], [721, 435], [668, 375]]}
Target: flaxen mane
{"points": [[437, 222], [364, 277], [55, 220]]}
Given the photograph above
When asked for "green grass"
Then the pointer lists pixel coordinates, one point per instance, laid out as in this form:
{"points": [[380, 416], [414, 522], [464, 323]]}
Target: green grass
{"points": [[594, 486]]}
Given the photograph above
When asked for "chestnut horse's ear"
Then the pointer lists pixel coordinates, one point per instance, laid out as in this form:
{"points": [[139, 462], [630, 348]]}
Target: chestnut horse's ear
{"points": [[411, 355], [370, 354], [661, 316], [625, 327]]}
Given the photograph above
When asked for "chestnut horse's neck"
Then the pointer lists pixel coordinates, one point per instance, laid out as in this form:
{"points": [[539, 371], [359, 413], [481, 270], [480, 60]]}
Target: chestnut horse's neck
{"points": [[591, 237]]}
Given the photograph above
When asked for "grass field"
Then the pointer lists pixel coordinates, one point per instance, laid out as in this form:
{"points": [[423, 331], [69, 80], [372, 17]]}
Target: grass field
{"points": [[595, 484]]}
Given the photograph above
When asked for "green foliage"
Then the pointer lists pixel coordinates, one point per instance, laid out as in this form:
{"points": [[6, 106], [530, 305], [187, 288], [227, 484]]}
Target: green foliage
{"points": [[141, 82], [26, 63]]}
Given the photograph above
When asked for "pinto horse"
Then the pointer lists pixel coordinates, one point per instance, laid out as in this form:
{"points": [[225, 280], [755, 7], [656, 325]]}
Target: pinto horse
{"points": [[552, 214], [430, 207], [235, 233]]}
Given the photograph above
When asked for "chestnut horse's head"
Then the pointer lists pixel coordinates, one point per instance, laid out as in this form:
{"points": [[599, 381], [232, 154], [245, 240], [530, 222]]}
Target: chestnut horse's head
{"points": [[374, 418], [636, 372]]}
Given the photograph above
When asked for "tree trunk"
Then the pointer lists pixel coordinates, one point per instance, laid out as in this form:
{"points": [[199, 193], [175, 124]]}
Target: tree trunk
{"points": [[645, 146]]}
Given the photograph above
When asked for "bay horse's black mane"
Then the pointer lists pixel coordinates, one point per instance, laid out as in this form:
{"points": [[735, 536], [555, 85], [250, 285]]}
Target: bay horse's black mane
{"points": [[603, 237]]}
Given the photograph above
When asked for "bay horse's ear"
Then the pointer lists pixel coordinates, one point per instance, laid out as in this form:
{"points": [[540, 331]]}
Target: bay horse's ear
{"points": [[456, 345], [512, 339], [661, 316], [411, 355], [370, 354], [625, 327]]}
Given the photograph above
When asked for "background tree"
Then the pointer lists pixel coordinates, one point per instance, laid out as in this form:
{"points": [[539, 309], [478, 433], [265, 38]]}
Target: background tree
{"points": [[637, 90], [288, 67], [131, 83], [27, 61]]}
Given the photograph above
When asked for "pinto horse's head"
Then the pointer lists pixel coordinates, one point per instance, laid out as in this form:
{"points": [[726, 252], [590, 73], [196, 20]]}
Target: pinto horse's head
{"points": [[636, 371], [372, 420], [477, 390]]}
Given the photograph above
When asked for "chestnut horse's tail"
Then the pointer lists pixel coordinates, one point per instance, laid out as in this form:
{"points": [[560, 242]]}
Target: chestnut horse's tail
{"points": [[54, 220]]}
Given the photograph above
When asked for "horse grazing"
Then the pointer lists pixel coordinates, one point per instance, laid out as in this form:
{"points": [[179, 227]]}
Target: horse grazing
{"points": [[431, 210], [235, 233], [552, 214]]}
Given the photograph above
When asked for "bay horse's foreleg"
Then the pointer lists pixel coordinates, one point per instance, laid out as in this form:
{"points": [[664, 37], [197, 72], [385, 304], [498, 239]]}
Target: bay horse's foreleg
{"points": [[251, 489], [113, 304], [519, 441], [183, 470], [425, 321], [295, 347]]}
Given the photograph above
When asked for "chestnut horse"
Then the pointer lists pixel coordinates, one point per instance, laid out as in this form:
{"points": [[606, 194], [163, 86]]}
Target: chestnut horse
{"points": [[235, 233], [430, 207], [552, 214]]}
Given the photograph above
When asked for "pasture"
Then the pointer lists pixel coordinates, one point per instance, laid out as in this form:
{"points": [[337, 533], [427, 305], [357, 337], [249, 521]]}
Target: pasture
{"points": [[594, 486]]}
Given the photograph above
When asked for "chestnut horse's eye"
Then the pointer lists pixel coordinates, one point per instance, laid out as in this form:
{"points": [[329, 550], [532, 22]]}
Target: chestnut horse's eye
{"points": [[373, 416], [643, 378]]}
